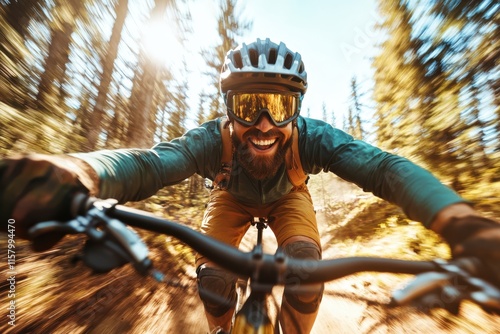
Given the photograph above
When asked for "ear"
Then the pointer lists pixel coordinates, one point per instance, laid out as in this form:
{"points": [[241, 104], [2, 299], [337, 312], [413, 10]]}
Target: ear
{"points": [[227, 122]]}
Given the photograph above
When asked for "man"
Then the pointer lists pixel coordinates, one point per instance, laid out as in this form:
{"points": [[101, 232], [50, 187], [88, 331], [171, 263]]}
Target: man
{"points": [[257, 171]]}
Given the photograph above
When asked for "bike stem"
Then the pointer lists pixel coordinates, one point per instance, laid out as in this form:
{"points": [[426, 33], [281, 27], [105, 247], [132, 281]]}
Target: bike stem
{"points": [[260, 223]]}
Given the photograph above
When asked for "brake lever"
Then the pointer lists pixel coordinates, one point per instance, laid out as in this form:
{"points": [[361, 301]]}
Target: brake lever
{"points": [[127, 239], [488, 296], [448, 288], [422, 285], [107, 237]]}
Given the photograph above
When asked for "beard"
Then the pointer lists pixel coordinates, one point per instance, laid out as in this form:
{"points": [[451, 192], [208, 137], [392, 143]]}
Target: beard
{"points": [[260, 167]]}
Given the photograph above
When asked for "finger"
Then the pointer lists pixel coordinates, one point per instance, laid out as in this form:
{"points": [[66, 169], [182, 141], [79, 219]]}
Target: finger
{"points": [[479, 247]]}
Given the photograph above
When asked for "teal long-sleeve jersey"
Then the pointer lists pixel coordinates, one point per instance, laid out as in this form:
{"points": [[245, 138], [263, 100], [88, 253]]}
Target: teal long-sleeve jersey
{"points": [[135, 174]]}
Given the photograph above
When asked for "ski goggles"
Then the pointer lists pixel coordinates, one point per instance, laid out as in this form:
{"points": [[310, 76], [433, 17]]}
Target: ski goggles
{"points": [[247, 106]]}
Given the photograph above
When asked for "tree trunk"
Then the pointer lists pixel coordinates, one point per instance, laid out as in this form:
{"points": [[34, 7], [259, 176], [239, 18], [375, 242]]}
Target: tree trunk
{"points": [[107, 71]]}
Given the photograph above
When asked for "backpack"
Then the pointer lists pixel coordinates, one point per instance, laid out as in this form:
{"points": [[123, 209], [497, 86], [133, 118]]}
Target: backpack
{"points": [[295, 172]]}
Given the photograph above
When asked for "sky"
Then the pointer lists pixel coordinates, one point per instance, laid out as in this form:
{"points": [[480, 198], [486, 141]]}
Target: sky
{"points": [[335, 38]]}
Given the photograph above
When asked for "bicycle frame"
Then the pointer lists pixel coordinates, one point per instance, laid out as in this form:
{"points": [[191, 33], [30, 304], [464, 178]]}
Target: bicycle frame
{"points": [[253, 316], [105, 224]]}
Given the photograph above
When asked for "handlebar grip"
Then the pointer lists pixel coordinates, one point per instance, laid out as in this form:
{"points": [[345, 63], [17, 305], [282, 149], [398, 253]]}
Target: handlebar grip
{"points": [[81, 203], [53, 227]]}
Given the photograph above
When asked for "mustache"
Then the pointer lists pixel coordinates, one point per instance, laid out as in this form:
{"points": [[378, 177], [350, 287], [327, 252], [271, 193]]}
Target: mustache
{"points": [[263, 135]]}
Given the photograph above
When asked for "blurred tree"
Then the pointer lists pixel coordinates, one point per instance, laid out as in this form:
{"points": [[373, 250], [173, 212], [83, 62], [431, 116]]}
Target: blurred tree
{"points": [[201, 117], [107, 63], [164, 97], [142, 111], [473, 27], [397, 77], [229, 27], [355, 123], [20, 13], [116, 130], [149, 75], [50, 87], [325, 114], [179, 109], [430, 103], [334, 119], [15, 17]]}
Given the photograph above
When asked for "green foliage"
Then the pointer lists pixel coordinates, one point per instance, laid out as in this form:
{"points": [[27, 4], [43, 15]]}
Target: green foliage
{"points": [[430, 105]]}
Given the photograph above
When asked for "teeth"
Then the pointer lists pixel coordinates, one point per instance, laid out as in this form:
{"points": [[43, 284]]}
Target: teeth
{"points": [[261, 142]]}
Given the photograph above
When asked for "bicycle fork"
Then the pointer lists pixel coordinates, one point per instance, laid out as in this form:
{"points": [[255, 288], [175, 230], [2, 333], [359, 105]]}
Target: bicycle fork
{"points": [[253, 317]]}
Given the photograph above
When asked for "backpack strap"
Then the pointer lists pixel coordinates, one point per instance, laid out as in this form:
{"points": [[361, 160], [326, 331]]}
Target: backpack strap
{"points": [[296, 174], [221, 180]]}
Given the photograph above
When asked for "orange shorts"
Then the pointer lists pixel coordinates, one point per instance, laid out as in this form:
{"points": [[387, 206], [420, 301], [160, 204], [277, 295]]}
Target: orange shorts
{"points": [[226, 219]]}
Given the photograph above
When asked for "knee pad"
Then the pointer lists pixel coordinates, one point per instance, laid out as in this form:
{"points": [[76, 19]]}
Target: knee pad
{"points": [[217, 290], [303, 301]]}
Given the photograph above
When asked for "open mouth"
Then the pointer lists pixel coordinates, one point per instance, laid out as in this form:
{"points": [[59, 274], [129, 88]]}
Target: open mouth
{"points": [[263, 144]]}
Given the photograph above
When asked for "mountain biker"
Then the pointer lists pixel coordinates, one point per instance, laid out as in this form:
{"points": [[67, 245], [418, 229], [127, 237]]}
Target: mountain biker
{"points": [[263, 84]]}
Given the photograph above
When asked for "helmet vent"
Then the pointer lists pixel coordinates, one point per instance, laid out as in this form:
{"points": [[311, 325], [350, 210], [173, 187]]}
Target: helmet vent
{"points": [[254, 57], [238, 62], [288, 61], [301, 67], [272, 56]]}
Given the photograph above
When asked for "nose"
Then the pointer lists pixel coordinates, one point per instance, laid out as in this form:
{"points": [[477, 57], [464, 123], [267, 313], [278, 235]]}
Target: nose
{"points": [[264, 123]]}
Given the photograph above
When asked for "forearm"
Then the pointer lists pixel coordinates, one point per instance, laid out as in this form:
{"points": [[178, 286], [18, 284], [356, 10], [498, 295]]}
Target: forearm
{"points": [[421, 195], [398, 180], [126, 175]]}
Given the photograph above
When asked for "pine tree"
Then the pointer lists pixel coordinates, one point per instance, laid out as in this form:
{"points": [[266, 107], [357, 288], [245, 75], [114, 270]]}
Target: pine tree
{"points": [[355, 123], [427, 85], [142, 111], [229, 27], [398, 73], [50, 87], [108, 66]]}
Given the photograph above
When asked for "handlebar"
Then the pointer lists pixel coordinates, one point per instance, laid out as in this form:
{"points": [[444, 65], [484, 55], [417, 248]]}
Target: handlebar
{"points": [[114, 244]]}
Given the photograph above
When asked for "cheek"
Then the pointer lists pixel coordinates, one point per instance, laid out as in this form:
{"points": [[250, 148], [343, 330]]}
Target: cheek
{"points": [[287, 131], [238, 131]]}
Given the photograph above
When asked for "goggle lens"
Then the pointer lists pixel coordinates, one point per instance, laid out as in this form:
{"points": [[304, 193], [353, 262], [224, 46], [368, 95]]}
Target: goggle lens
{"points": [[246, 107]]}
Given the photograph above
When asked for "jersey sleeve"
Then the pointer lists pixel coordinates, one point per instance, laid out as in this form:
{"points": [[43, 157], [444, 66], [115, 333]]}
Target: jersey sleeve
{"points": [[135, 174], [393, 178]]}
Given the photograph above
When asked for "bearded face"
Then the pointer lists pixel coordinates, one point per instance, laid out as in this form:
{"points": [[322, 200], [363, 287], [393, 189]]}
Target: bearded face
{"points": [[261, 153]]}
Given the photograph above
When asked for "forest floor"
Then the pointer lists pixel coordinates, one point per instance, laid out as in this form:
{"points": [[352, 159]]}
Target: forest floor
{"points": [[54, 295]]}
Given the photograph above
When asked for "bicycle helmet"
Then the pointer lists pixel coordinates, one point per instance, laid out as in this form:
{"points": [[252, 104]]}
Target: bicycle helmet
{"points": [[263, 62]]}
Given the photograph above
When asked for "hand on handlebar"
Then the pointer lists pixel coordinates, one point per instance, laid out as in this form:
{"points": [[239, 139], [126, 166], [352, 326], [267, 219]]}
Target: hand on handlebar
{"points": [[36, 188], [475, 236]]}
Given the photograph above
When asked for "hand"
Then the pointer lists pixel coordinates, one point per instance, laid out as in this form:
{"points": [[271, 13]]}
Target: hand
{"points": [[475, 236], [35, 188]]}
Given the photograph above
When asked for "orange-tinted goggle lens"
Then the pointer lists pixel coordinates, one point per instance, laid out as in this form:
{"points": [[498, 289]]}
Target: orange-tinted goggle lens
{"points": [[283, 107]]}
